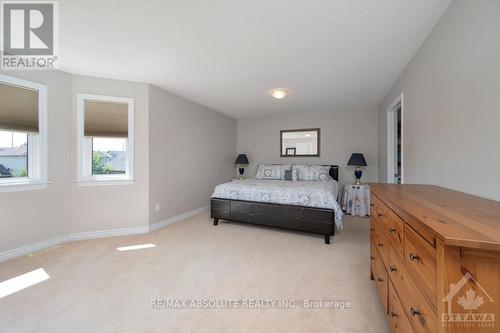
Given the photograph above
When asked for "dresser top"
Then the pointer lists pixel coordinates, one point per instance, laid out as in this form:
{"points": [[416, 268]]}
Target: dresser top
{"points": [[457, 218]]}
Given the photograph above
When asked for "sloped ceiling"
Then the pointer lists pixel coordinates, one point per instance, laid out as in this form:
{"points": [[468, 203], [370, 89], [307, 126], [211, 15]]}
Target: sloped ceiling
{"points": [[227, 54]]}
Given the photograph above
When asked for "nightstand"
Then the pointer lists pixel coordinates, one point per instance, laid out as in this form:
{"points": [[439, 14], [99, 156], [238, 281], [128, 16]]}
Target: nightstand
{"points": [[355, 200]]}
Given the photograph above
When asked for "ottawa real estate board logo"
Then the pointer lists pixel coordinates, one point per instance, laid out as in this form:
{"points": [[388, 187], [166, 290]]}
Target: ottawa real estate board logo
{"points": [[29, 35], [466, 304]]}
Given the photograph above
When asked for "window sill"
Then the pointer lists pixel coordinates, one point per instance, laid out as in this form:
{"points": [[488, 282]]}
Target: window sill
{"points": [[105, 182], [21, 186]]}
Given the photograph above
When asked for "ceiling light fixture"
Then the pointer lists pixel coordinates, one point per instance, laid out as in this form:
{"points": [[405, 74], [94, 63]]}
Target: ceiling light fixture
{"points": [[279, 93]]}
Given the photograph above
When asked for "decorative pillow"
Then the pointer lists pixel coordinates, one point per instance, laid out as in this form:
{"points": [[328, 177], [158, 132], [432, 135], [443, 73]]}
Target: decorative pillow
{"points": [[284, 169], [312, 172], [271, 171]]}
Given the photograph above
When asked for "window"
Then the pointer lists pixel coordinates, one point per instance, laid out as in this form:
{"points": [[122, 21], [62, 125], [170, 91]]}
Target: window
{"points": [[13, 154], [109, 156], [23, 133], [105, 140]]}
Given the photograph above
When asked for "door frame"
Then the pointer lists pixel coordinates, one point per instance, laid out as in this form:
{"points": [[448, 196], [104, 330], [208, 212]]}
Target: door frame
{"points": [[391, 167]]}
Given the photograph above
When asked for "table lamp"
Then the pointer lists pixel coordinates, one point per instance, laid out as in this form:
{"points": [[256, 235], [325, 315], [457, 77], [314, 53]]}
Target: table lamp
{"points": [[242, 160], [357, 160]]}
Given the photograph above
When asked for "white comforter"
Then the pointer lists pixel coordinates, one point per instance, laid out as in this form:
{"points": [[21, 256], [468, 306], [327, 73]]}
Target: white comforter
{"points": [[319, 194]]}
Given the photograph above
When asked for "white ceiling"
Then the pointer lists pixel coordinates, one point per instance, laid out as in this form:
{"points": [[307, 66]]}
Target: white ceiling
{"points": [[227, 54]]}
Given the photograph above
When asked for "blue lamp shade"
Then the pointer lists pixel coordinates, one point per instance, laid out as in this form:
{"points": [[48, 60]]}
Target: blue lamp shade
{"points": [[242, 159], [357, 159]]}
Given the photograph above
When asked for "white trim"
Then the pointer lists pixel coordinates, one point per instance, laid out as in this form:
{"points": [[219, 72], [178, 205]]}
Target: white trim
{"points": [[82, 174], [390, 140], [10, 254], [108, 233], [180, 217], [20, 251], [106, 182], [22, 186], [37, 156]]}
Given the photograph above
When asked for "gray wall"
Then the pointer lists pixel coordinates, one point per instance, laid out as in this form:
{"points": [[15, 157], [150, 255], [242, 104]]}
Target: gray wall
{"points": [[452, 103], [97, 208], [34, 216], [342, 133], [191, 150]]}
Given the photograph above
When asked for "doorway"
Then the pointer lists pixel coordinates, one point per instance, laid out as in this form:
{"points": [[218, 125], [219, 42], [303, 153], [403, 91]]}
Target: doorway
{"points": [[395, 170]]}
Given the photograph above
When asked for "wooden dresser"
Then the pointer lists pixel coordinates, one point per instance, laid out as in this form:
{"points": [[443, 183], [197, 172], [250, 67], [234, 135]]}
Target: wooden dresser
{"points": [[435, 257]]}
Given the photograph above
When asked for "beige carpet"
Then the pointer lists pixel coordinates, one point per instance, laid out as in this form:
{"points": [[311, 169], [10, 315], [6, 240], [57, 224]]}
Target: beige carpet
{"points": [[95, 288]]}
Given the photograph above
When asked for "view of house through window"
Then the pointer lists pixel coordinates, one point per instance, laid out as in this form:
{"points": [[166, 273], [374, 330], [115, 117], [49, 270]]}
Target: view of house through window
{"points": [[109, 156], [13, 154]]}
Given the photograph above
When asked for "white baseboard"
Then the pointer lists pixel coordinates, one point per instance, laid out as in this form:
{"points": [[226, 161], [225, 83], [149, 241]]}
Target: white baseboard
{"points": [[21, 251], [108, 233], [181, 217]]}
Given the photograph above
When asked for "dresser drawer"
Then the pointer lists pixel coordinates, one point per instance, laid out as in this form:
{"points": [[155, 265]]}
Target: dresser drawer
{"points": [[419, 311], [381, 279], [395, 231], [397, 316], [373, 211], [378, 213], [373, 252], [373, 258], [373, 208], [420, 261], [382, 246]]}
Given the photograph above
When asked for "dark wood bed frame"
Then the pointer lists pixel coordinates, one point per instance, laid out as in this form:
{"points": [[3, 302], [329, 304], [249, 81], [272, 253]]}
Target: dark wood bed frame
{"points": [[301, 218]]}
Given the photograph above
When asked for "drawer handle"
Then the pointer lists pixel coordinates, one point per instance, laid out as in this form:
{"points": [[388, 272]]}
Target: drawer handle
{"points": [[393, 314], [372, 257], [392, 268], [380, 215], [372, 229], [372, 205], [380, 245], [414, 312], [414, 257], [392, 230], [380, 280]]}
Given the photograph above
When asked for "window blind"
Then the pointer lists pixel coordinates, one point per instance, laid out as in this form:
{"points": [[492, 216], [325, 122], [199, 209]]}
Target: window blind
{"points": [[106, 119], [18, 108]]}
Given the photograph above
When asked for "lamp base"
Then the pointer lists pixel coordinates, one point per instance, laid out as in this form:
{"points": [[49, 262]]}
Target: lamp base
{"points": [[358, 173], [241, 170]]}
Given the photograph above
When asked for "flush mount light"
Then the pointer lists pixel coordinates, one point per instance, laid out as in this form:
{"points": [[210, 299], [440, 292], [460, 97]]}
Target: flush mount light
{"points": [[279, 93]]}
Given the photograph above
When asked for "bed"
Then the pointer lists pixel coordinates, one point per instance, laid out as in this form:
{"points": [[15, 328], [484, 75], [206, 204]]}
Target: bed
{"points": [[309, 206]]}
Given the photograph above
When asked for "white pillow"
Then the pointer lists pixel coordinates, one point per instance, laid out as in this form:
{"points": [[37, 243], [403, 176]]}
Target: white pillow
{"points": [[272, 171], [312, 172]]}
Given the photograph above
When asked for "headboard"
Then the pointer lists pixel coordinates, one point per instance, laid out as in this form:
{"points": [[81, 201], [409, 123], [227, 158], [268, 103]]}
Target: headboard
{"points": [[334, 172]]}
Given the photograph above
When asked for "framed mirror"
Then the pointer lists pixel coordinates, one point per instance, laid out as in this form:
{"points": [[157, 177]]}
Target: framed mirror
{"points": [[300, 142]]}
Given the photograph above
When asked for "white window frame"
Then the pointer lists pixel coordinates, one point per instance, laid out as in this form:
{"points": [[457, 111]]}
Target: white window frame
{"points": [[37, 143], [84, 145]]}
